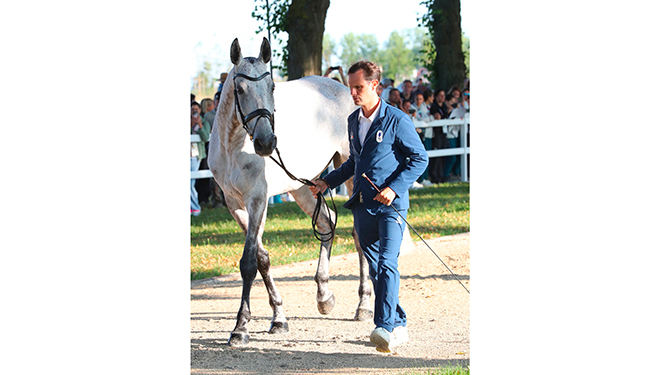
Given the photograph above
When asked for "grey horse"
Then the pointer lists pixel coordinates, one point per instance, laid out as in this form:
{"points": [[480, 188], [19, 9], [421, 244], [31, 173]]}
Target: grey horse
{"points": [[310, 132]]}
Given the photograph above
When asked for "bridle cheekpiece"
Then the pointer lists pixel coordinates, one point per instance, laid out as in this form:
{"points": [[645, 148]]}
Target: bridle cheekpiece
{"points": [[258, 113]]}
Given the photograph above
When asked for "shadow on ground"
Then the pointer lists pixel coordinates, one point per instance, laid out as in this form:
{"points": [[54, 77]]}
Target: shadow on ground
{"points": [[221, 357]]}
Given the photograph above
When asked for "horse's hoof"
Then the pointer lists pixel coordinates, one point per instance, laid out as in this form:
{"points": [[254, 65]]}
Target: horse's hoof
{"points": [[239, 339], [326, 306], [279, 327], [363, 314]]}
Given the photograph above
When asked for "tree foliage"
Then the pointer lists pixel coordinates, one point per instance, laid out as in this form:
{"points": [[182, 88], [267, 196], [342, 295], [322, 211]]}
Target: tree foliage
{"points": [[445, 58], [437, 44], [274, 14]]}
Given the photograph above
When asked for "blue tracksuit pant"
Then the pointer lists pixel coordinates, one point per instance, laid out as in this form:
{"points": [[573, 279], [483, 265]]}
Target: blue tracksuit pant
{"points": [[380, 238]]}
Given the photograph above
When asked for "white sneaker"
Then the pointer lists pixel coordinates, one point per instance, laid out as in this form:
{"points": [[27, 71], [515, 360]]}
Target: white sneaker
{"points": [[386, 341], [382, 339], [416, 185], [427, 183], [400, 334]]}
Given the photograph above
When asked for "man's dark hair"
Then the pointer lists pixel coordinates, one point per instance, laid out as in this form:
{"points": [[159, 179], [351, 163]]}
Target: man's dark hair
{"points": [[427, 94], [371, 70], [195, 103]]}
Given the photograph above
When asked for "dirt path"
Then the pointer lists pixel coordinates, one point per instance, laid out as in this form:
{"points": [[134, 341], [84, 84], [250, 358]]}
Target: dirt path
{"points": [[437, 306]]}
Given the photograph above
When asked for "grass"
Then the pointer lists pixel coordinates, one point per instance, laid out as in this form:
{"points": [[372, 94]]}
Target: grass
{"points": [[216, 241]]}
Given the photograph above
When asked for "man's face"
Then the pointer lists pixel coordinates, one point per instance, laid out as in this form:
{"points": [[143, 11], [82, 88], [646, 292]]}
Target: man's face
{"points": [[362, 91], [419, 99], [194, 109], [395, 97], [407, 87]]}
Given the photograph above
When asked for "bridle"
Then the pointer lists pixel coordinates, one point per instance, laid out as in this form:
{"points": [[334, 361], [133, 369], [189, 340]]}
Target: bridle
{"points": [[258, 113]]}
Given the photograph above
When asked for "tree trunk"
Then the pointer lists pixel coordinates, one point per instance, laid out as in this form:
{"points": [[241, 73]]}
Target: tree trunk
{"points": [[305, 25], [449, 63]]}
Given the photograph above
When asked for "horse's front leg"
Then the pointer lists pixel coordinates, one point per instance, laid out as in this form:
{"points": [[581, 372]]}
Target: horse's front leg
{"points": [[325, 299], [248, 264], [279, 323]]}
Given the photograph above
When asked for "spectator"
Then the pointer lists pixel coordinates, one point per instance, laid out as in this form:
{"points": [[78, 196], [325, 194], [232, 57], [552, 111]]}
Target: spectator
{"points": [[209, 114], [340, 71], [407, 93], [394, 99], [463, 111], [407, 108], [422, 108], [379, 89], [387, 86], [455, 92], [451, 103], [439, 137], [420, 87], [197, 151], [206, 106], [192, 97], [452, 167], [202, 185], [223, 78]]}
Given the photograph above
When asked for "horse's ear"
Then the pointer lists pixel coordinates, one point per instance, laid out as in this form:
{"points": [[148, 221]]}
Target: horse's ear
{"points": [[264, 55], [235, 52]]}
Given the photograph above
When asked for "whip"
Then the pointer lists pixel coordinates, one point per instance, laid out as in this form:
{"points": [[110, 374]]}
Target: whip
{"points": [[420, 237]]}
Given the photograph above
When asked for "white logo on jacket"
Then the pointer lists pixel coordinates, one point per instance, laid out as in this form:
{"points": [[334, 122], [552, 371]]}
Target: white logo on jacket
{"points": [[379, 136]]}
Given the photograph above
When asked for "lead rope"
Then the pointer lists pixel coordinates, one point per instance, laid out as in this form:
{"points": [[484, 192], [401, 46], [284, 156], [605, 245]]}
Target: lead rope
{"points": [[320, 201]]}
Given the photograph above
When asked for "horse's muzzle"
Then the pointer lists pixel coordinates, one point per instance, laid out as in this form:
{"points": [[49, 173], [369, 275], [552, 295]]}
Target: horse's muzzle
{"points": [[265, 145]]}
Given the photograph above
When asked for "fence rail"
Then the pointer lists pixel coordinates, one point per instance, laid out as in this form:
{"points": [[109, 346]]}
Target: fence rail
{"points": [[461, 151]]}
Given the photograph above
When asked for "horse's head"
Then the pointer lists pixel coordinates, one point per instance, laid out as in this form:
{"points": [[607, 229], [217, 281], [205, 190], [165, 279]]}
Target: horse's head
{"points": [[253, 97]]}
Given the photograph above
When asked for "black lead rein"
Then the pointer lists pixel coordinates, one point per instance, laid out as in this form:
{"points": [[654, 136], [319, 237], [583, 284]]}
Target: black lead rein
{"points": [[319, 198]]}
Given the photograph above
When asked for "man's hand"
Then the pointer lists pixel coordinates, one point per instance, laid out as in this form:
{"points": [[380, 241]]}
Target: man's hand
{"points": [[319, 187], [386, 196]]}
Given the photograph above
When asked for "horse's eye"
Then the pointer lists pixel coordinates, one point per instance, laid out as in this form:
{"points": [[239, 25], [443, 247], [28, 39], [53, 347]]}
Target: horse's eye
{"points": [[240, 90]]}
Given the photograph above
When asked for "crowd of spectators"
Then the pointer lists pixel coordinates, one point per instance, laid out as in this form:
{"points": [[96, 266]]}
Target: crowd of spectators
{"points": [[425, 105]]}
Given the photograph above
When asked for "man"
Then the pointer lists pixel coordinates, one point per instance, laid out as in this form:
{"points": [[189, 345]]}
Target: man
{"points": [[387, 86], [381, 138], [209, 116], [407, 93], [394, 99]]}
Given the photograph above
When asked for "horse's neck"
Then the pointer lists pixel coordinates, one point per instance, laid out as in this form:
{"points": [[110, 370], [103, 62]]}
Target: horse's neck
{"points": [[230, 132]]}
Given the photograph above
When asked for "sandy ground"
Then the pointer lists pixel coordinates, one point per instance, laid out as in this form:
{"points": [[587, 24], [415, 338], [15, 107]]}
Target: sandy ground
{"points": [[437, 306]]}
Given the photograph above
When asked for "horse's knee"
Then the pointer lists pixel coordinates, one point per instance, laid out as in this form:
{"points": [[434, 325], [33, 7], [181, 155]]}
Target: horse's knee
{"points": [[263, 260], [248, 268]]}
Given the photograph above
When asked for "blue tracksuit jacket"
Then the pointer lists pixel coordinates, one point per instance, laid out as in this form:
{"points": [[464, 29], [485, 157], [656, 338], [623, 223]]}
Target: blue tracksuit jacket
{"points": [[393, 156]]}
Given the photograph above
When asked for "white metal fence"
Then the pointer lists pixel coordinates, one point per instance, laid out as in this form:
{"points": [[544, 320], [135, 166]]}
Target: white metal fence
{"points": [[463, 150]]}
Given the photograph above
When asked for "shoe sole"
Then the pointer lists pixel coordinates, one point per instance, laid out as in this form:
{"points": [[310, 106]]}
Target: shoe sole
{"points": [[382, 345]]}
